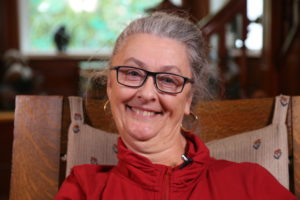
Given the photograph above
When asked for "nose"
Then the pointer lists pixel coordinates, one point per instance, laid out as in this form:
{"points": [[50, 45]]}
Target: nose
{"points": [[148, 91]]}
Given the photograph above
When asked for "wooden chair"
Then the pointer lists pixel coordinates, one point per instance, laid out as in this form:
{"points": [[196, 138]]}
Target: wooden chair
{"points": [[41, 125]]}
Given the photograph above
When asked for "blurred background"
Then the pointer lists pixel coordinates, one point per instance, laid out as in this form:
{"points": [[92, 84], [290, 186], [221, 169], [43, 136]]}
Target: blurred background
{"points": [[50, 47]]}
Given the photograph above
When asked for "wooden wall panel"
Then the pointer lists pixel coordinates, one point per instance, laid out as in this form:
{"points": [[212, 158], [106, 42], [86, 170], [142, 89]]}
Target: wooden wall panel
{"points": [[198, 9], [2, 27], [59, 76], [296, 144], [6, 138], [9, 25], [290, 71]]}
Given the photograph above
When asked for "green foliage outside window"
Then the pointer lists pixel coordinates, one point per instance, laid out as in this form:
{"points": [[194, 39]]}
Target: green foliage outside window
{"points": [[90, 27]]}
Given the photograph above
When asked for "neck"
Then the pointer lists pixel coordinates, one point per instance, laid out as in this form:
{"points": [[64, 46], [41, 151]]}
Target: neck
{"points": [[165, 151]]}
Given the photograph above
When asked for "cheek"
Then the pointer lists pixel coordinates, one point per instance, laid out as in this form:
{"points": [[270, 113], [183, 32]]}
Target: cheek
{"points": [[174, 104], [180, 105], [119, 94]]}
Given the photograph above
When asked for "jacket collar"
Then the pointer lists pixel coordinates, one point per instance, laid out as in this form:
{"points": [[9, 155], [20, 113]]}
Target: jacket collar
{"points": [[142, 171]]}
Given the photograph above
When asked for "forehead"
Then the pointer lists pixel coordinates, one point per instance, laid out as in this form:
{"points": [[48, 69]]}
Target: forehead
{"points": [[153, 52]]}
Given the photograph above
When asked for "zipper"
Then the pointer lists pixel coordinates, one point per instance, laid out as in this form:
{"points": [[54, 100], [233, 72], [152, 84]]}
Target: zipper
{"points": [[166, 184]]}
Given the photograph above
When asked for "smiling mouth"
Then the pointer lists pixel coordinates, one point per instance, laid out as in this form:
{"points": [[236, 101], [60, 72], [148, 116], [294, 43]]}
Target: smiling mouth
{"points": [[144, 113]]}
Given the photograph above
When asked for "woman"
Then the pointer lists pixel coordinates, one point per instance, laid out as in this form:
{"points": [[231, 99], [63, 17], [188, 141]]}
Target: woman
{"points": [[157, 71]]}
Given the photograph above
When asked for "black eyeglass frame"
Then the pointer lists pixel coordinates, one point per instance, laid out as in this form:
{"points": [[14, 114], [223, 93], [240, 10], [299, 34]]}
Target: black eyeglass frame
{"points": [[153, 74]]}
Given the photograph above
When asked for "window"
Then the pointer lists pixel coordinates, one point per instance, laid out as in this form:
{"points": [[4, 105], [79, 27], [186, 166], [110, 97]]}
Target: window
{"points": [[93, 25], [254, 41], [255, 29]]}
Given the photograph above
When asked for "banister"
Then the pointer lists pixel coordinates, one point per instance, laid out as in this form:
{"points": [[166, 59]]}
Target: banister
{"points": [[214, 22], [292, 34]]}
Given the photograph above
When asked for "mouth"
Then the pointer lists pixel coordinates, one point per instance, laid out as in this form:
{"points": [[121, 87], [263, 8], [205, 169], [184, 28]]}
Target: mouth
{"points": [[143, 112]]}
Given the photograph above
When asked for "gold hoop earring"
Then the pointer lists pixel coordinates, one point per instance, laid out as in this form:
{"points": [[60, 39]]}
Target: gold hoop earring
{"points": [[195, 117], [105, 106], [190, 124]]}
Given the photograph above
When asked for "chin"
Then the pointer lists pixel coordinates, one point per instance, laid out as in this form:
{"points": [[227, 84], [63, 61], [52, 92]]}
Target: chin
{"points": [[141, 134]]}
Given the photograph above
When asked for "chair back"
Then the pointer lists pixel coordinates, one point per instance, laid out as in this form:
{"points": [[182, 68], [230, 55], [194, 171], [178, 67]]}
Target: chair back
{"points": [[42, 124]]}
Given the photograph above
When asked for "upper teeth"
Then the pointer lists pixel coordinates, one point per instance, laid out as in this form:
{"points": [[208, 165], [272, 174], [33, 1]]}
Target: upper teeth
{"points": [[142, 112]]}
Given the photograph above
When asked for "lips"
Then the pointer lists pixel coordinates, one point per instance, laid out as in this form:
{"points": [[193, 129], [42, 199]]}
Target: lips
{"points": [[143, 112]]}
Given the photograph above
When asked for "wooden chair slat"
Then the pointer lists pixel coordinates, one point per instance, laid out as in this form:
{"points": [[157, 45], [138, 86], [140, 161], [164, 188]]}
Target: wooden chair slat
{"points": [[97, 117], [219, 119], [36, 147]]}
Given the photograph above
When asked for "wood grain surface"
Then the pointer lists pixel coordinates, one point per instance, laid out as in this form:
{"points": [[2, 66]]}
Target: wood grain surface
{"points": [[97, 117], [219, 119], [36, 148]]}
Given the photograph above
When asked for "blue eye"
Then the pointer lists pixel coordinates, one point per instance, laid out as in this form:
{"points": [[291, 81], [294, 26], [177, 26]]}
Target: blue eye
{"points": [[133, 73], [167, 80]]}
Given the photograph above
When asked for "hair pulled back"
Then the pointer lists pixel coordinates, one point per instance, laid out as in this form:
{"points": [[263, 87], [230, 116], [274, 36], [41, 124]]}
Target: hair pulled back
{"points": [[182, 30]]}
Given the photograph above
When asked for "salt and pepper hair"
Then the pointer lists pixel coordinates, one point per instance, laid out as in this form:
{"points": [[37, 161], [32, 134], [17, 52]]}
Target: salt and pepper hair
{"points": [[182, 30]]}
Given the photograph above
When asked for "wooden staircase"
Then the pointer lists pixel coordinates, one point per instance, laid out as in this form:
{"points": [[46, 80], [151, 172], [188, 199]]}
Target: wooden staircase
{"points": [[278, 68]]}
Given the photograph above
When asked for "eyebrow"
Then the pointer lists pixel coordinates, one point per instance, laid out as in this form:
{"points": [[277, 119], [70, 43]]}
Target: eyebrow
{"points": [[143, 65], [136, 61]]}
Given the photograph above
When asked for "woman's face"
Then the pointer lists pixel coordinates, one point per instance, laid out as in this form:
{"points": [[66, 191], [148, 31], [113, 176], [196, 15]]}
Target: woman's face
{"points": [[145, 113]]}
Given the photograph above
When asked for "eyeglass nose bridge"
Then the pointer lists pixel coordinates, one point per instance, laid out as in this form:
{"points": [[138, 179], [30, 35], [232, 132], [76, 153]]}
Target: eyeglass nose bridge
{"points": [[153, 75]]}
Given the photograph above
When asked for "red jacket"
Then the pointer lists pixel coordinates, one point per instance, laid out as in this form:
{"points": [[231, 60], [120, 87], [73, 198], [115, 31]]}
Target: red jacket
{"points": [[136, 178]]}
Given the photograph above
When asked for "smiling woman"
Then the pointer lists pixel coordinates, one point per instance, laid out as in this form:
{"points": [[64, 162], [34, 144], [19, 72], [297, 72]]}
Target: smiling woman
{"points": [[158, 69], [137, 109]]}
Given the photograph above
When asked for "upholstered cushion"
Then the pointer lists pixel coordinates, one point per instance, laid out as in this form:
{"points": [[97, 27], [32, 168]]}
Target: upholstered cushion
{"points": [[87, 145]]}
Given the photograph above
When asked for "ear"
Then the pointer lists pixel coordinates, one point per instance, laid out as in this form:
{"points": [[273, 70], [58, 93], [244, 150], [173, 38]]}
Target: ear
{"points": [[188, 103]]}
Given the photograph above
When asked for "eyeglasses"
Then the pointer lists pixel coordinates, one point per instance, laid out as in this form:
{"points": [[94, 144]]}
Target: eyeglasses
{"points": [[165, 82]]}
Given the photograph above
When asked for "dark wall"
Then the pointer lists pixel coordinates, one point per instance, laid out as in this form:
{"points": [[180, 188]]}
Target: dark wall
{"points": [[58, 75], [9, 31], [9, 34], [6, 138], [2, 26], [8, 39]]}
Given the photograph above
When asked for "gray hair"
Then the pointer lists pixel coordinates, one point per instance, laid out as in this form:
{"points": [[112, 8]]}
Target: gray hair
{"points": [[180, 29]]}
